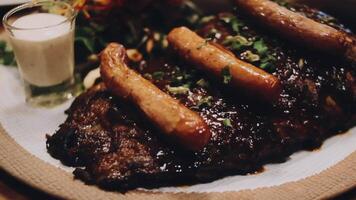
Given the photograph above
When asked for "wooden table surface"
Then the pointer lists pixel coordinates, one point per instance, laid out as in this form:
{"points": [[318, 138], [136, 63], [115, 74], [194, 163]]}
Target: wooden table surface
{"points": [[13, 189]]}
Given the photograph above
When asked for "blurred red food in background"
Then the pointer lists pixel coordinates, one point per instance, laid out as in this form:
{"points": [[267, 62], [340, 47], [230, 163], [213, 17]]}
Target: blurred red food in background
{"points": [[100, 5]]}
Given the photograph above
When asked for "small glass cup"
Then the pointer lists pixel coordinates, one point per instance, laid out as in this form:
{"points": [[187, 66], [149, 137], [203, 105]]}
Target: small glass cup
{"points": [[42, 36]]}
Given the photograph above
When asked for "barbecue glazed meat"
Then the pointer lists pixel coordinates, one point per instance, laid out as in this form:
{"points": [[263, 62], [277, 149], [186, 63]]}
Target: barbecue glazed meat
{"points": [[115, 147]]}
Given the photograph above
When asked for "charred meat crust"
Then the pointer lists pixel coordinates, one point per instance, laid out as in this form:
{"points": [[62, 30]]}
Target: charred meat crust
{"points": [[113, 147]]}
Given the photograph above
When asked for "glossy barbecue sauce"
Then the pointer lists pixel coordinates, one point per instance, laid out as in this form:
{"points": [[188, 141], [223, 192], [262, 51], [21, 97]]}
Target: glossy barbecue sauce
{"points": [[318, 100]]}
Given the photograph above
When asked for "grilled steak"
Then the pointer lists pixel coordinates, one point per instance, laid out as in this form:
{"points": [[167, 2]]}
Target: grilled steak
{"points": [[114, 146]]}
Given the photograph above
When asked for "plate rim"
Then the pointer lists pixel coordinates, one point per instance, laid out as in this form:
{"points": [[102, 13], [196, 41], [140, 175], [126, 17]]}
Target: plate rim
{"points": [[45, 177]]}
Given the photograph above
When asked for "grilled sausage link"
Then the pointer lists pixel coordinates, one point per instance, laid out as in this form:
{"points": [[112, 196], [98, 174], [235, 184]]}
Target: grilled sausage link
{"points": [[300, 29], [214, 59], [171, 117]]}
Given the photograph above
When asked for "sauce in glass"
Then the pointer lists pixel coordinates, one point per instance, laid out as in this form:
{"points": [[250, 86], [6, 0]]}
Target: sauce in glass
{"points": [[43, 44]]}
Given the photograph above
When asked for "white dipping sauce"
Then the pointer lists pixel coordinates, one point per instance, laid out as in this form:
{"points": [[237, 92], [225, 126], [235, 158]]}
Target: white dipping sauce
{"points": [[44, 48]]}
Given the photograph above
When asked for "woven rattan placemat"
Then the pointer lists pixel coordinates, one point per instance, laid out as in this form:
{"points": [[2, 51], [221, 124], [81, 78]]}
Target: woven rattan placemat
{"points": [[40, 175]]}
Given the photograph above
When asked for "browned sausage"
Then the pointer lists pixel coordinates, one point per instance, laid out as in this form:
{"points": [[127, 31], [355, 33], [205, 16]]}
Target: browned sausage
{"points": [[215, 59], [299, 28], [171, 117]]}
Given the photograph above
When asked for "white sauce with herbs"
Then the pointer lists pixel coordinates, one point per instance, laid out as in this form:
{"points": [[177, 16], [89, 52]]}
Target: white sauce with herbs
{"points": [[44, 48]]}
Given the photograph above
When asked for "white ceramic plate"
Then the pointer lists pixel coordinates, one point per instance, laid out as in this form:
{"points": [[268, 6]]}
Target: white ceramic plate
{"points": [[28, 126], [12, 2]]}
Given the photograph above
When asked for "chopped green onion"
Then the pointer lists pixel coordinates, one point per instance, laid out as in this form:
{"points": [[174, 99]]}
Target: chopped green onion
{"points": [[178, 90], [206, 19], [202, 83], [158, 75], [265, 65], [205, 101], [238, 38], [237, 42], [179, 78], [260, 47], [227, 122], [267, 61], [233, 22], [249, 56], [147, 76], [225, 72]]}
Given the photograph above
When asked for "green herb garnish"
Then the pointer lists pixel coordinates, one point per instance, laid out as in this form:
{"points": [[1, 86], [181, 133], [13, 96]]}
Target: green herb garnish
{"points": [[238, 38], [249, 56], [87, 36], [206, 19], [234, 23], [237, 42], [202, 83], [147, 76], [205, 101], [178, 90], [158, 75], [227, 122], [7, 56], [265, 65], [179, 78], [225, 72], [87, 42], [266, 61], [260, 47]]}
